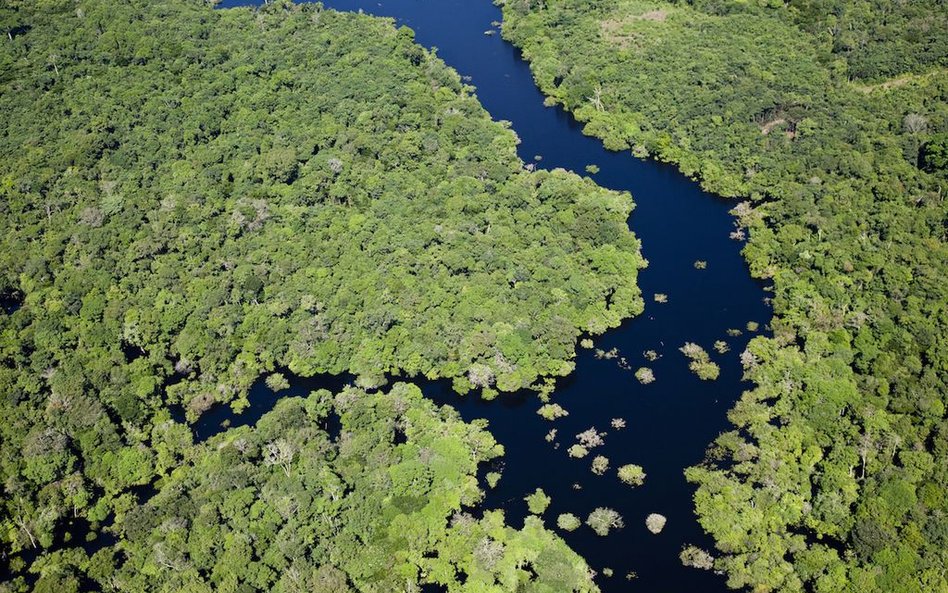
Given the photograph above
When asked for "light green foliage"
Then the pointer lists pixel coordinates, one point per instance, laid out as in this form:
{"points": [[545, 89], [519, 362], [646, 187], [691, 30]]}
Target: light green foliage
{"points": [[538, 501], [655, 522], [359, 508], [568, 522], [577, 451], [277, 382], [645, 375], [600, 465], [826, 116], [603, 520], [492, 479], [552, 411], [700, 364], [411, 250], [632, 474], [192, 198]]}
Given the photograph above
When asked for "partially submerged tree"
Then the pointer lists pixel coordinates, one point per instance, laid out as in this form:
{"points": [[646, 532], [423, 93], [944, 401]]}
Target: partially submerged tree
{"points": [[568, 522], [552, 411], [538, 502], [600, 465], [700, 364], [603, 520], [655, 522], [277, 382], [632, 474], [590, 438], [645, 375], [695, 557]]}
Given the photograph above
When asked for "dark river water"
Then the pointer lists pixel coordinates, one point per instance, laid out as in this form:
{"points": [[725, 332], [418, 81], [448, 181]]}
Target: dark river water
{"points": [[669, 422]]}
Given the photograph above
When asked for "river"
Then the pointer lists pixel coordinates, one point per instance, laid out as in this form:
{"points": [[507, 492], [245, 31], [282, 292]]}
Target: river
{"points": [[669, 422]]}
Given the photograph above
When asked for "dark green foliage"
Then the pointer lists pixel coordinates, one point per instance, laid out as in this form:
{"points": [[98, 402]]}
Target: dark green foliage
{"points": [[834, 478], [935, 154], [193, 198]]}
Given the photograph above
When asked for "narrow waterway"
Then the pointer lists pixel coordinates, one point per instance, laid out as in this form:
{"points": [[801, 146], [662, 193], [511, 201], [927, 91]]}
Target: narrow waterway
{"points": [[670, 422]]}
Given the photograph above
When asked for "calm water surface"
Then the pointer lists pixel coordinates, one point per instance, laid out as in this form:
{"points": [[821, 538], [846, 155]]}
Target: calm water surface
{"points": [[670, 422]]}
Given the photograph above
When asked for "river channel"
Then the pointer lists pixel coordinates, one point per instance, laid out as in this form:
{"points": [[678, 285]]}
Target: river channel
{"points": [[670, 422]]}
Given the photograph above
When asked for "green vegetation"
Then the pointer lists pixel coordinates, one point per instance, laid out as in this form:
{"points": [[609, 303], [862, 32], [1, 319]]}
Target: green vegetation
{"points": [[600, 465], [700, 364], [645, 375], [591, 437], [829, 117], [568, 522], [284, 507], [277, 382], [603, 520], [192, 199], [935, 154], [695, 557], [632, 474], [538, 502], [492, 478], [655, 523], [552, 411]]}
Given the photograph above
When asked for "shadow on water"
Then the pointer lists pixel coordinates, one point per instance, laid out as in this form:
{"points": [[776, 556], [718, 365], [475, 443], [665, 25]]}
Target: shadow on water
{"points": [[669, 422]]}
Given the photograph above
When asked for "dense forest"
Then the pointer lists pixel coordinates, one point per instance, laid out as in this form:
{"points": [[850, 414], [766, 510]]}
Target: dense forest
{"points": [[829, 117], [289, 507], [195, 198]]}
